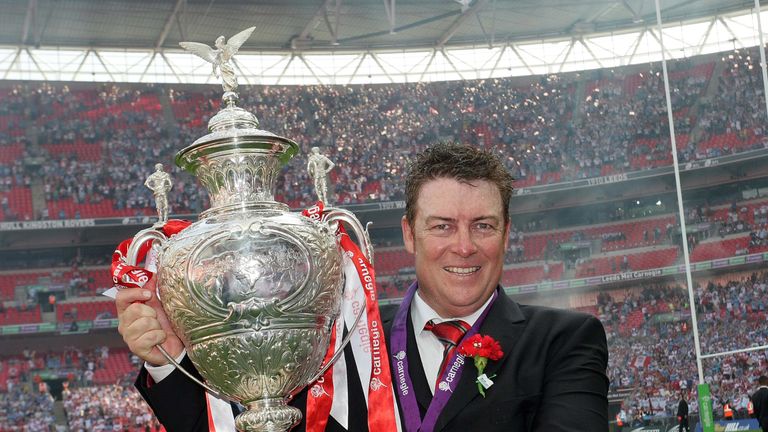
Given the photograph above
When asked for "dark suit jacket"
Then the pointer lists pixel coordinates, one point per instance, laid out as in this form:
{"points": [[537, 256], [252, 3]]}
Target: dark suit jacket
{"points": [[551, 378], [760, 405]]}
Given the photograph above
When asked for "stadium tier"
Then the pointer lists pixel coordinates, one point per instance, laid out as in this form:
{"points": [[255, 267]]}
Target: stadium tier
{"points": [[99, 143], [20, 315], [96, 394]]}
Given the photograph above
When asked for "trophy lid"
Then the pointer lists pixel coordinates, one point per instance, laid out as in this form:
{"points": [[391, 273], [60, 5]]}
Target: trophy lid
{"points": [[233, 129]]}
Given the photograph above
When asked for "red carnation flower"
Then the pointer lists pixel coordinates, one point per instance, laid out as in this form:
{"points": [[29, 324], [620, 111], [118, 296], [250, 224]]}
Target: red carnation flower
{"points": [[481, 349], [481, 346]]}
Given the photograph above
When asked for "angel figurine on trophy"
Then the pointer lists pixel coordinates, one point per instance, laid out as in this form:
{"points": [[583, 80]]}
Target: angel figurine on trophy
{"points": [[220, 57]]}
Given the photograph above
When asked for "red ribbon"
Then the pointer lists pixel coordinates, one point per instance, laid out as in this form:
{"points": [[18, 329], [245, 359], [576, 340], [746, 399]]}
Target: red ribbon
{"points": [[132, 276], [320, 395], [381, 404], [381, 415]]}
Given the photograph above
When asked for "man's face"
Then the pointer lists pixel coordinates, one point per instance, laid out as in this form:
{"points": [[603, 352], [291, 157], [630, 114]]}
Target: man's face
{"points": [[458, 238]]}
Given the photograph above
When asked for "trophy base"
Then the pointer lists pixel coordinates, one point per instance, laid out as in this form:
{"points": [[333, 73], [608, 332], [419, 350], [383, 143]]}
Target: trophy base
{"points": [[268, 415]]}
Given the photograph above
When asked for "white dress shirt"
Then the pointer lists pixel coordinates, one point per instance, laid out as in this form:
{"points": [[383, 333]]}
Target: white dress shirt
{"points": [[159, 373], [430, 348]]}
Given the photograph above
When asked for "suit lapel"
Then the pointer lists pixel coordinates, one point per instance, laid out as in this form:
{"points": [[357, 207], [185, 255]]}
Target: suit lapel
{"points": [[505, 322]]}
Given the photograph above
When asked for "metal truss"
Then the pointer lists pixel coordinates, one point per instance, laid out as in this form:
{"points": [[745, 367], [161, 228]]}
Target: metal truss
{"points": [[436, 63]]}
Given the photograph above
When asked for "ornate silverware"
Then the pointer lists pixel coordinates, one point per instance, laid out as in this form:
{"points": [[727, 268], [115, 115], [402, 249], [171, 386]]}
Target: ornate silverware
{"points": [[251, 288]]}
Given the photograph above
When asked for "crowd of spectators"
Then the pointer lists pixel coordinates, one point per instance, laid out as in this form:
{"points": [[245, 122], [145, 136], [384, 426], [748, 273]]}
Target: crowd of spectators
{"points": [[758, 237], [652, 358], [133, 136], [371, 131], [25, 409], [74, 365], [547, 129], [516, 247], [123, 126], [733, 312], [26, 402], [111, 407], [651, 343], [737, 107], [625, 120]]}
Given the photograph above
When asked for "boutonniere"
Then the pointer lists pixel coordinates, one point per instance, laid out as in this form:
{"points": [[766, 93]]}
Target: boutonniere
{"points": [[481, 349]]}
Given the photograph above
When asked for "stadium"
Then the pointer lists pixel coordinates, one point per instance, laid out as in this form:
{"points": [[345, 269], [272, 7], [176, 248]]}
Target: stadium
{"points": [[583, 101]]}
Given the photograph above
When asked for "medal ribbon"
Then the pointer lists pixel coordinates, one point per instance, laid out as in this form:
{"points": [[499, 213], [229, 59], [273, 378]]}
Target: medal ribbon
{"points": [[446, 383]]}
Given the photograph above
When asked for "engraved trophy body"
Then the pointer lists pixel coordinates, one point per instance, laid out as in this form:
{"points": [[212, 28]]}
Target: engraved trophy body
{"points": [[252, 289]]}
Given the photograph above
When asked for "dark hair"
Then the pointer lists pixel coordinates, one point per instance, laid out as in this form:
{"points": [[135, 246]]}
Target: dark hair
{"points": [[763, 380], [460, 162]]}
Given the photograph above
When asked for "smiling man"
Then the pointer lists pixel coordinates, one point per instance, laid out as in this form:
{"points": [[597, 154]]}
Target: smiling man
{"points": [[551, 376]]}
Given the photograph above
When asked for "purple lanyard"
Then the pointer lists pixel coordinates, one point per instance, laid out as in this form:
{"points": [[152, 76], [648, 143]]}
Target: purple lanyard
{"points": [[448, 381]]}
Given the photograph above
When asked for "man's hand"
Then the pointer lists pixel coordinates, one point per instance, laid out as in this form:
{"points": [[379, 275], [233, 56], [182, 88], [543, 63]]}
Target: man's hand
{"points": [[144, 325]]}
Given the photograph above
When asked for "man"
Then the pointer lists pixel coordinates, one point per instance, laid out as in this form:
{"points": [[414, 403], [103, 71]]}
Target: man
{"points": [[760, 403], [551, 376], [682, 414]]}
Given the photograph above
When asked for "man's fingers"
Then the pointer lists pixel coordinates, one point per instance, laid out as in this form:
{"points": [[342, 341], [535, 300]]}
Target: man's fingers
{"points": [[134, 312], [143, 334], [150, 285], [127, 296], [145, 347], [144, 325], [138, 327], [152, 338]]}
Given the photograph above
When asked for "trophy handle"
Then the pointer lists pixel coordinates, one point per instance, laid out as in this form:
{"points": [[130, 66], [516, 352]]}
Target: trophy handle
{"points": [[337, 215], [142, 236], [333, 214], [132, 257]]}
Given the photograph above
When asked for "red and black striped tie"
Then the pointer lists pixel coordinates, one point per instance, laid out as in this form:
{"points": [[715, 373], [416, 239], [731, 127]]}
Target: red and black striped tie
{"points": [[449, 333]]}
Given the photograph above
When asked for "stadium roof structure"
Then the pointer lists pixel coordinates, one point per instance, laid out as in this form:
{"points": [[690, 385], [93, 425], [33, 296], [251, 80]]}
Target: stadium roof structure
{"points": [[307, 25], [351, 41]]}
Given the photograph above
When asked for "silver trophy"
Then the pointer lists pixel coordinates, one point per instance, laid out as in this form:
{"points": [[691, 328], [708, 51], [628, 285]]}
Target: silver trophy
{"points": [[252, 289]]}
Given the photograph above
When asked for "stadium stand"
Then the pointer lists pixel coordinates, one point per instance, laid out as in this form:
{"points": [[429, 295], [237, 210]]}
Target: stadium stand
{"points": [[89, 137]]}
